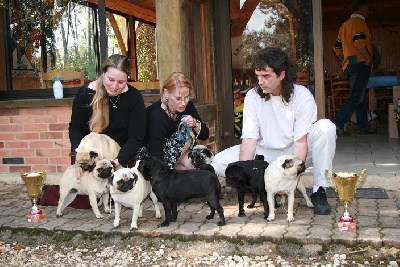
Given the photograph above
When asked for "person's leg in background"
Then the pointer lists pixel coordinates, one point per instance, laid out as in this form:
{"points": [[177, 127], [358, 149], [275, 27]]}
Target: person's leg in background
{"points": [[360, 81], [358, 75], [322, 145]]}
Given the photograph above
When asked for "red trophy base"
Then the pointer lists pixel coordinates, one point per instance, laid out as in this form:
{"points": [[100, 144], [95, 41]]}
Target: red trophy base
{"points": [[347, 226], [347, 223], [36, 218]]}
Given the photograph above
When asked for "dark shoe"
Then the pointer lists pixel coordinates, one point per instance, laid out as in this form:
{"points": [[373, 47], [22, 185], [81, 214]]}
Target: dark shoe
{"points": [[369, 131], [342, 132], [321, 206]]}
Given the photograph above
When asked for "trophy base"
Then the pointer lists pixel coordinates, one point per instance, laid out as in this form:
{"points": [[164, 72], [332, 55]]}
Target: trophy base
{"points": [[36, 218], [347, 226]]}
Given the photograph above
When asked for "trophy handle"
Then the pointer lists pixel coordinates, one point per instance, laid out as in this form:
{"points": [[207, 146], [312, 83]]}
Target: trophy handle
{"points": [[363, 177], [329, 178]]}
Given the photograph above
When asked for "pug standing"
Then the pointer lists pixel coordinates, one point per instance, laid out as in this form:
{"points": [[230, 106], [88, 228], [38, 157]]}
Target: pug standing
{"points": [[129, 188], [281, 177], [95, 184]]}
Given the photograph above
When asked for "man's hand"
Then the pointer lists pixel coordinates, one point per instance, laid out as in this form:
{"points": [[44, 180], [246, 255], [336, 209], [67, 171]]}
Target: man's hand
{"points": [[248, 149], [301, 147]]}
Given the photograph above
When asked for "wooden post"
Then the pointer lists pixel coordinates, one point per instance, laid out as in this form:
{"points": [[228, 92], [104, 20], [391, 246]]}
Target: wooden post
{"points": [[171, 39]]}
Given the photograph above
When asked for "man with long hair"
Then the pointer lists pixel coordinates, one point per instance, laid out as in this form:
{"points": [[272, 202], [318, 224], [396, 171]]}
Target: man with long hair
{"points": [[280, 118]]}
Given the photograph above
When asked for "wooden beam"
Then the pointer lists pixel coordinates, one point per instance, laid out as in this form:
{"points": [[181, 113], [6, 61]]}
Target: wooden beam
{"points": [[335, 5], [117, 32], [240, 17], [132, 48], [129, 9]]}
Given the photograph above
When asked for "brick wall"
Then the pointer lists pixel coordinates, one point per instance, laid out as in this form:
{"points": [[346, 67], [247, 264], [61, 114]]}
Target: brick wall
{"points": [[36, 139]]}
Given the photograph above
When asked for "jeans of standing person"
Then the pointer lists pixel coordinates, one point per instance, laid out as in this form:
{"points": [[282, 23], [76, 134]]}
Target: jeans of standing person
{"points": [[321, 141], [358, 75]]}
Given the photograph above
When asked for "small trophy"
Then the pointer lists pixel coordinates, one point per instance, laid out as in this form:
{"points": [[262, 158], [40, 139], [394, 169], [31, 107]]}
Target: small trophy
{"points": [[34, 183], [345, 184]]}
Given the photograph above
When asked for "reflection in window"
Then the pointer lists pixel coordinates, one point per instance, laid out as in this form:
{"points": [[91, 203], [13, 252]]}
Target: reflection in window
{"points": [[286, 24], [257, 24], [54, 34]]}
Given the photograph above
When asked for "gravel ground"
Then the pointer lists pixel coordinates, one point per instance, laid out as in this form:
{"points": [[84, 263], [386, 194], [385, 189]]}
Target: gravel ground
{"points": [[47, 248]]}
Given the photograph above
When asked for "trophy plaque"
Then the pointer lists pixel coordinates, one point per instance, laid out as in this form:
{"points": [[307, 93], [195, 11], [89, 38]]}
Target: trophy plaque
{"points": [[34, 182], [346, 184]]}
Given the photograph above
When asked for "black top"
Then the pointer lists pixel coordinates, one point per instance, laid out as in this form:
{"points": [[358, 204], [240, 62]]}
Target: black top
{"points": [[160, 126], [127, 122]]}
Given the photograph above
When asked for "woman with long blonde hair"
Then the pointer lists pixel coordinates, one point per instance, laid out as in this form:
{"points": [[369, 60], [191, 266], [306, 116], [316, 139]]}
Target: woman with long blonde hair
{"points": [[109, 105]]}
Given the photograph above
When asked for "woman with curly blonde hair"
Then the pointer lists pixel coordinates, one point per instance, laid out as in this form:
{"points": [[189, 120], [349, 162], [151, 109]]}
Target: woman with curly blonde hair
{"points": [[166, 116]]}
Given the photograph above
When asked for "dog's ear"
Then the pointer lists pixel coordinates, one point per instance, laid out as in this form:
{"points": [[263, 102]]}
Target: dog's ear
{"points": [[259, 157], [287, 164], [135, 177], [113, 164], [140, 166], [93, 154], [207, 152], [111, 179]]}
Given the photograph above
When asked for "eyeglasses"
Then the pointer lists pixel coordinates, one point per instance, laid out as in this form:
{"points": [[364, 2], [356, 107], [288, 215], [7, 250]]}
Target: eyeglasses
{"points": [[180, 98]]}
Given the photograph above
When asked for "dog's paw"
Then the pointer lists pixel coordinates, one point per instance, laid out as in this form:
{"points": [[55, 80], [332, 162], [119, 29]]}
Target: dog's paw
{"points": [[99, 216], [209, 217], [116, 223], [250, 206], [310, 204], [241, 214], [134, 226], [220, 223], [158, 214], [164, 224], [107, 210], [270, 218], [290, 218]]}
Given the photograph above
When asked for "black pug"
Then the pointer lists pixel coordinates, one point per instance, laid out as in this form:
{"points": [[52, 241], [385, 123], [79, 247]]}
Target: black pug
{"points": [[248, 177], [175, 186]]}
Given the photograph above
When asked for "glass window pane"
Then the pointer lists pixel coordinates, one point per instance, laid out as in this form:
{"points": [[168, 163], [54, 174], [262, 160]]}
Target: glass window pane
{"points": [[286, 24], [258, 24], [49, 35], [146, 52]]}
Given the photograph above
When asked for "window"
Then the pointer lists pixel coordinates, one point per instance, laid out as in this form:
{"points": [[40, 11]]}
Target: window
{"points": [[52, 34], [285, 24]]}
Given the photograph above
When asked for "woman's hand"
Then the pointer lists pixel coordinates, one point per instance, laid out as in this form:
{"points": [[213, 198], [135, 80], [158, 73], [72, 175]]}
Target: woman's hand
{"points": [[116, 162], [78, 172], [190, 121]]}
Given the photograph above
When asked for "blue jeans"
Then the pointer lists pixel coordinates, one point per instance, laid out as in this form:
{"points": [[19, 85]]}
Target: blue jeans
{"points": [[358, 75]]}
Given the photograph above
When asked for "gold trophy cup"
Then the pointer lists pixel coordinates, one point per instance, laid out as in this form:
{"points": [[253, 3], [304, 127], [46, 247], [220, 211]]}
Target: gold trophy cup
{"points": [[346, 184], [34, 182]]}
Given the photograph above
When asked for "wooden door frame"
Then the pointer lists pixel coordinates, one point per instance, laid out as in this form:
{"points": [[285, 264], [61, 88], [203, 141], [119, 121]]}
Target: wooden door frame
{"points": [[223, 71]]}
